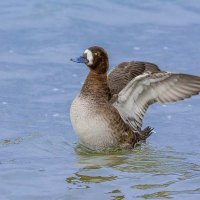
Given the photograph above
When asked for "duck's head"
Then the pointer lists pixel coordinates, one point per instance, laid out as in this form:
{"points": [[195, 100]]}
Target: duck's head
{"points": [[95, 58]]}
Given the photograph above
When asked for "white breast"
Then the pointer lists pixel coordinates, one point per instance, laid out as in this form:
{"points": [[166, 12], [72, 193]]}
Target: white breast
{"points": [[92, 129]]}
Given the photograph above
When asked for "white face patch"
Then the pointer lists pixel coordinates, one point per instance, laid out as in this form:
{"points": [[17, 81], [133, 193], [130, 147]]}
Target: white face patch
{"points": [[89, 56]]}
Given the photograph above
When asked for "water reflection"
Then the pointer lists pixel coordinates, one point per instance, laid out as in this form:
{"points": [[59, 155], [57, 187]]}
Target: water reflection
{"points": [[148, 173]]}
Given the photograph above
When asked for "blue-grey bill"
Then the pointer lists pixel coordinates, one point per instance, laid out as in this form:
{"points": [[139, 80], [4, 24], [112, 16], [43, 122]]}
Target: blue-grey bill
{"points": [[80, 59]]}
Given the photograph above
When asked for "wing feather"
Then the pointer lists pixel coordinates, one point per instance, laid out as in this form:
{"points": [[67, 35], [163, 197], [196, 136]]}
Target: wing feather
{"points": [[123, 73], [164, 87]]}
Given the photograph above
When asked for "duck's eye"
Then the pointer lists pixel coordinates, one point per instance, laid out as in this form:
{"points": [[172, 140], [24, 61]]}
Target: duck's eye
{"points": [[96, 54]]}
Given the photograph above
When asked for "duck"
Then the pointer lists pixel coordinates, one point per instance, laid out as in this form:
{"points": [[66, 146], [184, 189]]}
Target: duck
{"points": [[110, 108]]}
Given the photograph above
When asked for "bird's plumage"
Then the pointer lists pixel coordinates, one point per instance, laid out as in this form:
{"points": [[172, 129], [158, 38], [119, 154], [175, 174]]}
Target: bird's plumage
{"points": [[148, 88], [110, 108], [123, 73]]}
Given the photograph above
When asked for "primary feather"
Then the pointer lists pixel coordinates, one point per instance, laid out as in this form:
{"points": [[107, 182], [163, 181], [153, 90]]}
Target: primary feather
{"points": [[146, 89]]}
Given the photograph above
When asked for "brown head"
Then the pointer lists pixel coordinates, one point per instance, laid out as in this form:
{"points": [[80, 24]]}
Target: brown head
{"points": [[95, 58]]}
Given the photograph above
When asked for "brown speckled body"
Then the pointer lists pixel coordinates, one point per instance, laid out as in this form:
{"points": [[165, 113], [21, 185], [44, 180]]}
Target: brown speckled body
{"points": [[96, 91]]}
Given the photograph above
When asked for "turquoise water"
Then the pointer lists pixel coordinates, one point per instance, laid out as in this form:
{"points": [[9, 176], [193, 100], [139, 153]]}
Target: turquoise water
{"points": [[39, 156]]}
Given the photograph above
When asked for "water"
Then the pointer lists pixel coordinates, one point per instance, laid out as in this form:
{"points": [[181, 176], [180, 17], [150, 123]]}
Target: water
{"points": [[39, 156]]}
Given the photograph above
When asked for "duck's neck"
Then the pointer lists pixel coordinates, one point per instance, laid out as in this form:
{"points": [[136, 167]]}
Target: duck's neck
{"points": [[96, 86]]}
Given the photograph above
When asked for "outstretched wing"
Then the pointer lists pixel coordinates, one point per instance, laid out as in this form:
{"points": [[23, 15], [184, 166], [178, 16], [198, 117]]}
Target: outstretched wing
{"points": [[123, 73], [133, 101]]}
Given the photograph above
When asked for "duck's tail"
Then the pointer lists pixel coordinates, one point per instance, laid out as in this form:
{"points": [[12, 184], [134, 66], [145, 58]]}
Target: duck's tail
{"points": [[144, 134]]}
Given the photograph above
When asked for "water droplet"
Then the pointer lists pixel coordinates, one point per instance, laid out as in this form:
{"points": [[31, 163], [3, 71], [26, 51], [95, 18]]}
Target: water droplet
{"points": [[136, 48], [56, 115], [74, 75], [55, 89], [169, 117], [165, 48]]}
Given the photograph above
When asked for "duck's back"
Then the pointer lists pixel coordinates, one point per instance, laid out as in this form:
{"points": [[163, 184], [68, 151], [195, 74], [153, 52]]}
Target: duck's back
{"points": [[123, 73]]}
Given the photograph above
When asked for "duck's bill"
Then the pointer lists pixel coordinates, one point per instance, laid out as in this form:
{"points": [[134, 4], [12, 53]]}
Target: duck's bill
{"points": [[80, 59]]}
